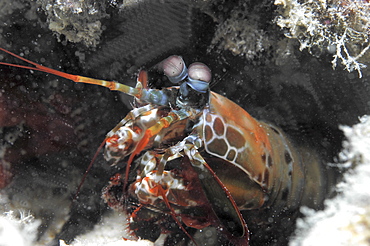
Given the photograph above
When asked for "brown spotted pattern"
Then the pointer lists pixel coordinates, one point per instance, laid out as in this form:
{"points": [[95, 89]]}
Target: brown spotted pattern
{"points": [[256, 149], [217, 135]]}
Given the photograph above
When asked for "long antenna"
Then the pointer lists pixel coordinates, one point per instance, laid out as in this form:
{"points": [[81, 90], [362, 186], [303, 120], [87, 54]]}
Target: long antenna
{"points": [[112, 85]]}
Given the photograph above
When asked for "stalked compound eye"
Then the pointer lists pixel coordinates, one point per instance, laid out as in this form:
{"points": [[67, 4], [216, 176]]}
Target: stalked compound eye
{"points": [[175, 69], [199, 77]]}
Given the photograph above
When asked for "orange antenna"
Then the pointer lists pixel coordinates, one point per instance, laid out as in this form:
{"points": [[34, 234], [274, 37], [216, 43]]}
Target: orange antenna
{"points": [[114, 86]]}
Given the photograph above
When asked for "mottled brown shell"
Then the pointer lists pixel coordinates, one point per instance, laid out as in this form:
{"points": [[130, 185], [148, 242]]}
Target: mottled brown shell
{"points": [[258, 159]]}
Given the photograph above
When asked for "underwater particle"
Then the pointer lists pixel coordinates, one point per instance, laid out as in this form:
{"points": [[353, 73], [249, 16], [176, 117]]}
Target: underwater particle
{"points": [[8, 135], [5, 172], [8, 7], [340, 27], [10, 16]]}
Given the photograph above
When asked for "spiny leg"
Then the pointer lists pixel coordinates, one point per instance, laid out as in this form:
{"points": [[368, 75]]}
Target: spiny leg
{"points": [[153, 184], [217, 193]]}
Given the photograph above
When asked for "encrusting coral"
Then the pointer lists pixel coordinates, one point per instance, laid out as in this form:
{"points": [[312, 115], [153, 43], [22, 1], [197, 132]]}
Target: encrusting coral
{"points": [[78, 21], [346, 218], [339, 26]]}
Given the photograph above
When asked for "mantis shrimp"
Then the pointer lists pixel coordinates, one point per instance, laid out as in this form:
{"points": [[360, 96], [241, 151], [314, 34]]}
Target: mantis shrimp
{"points": [[225, 160]]}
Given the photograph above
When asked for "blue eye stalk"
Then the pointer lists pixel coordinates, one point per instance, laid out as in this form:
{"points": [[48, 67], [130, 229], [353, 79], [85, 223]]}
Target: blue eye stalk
{"points": [[197, 77]]}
